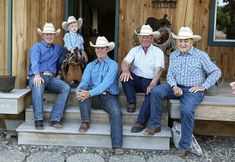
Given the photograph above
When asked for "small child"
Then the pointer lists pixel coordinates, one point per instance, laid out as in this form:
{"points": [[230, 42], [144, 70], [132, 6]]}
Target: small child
{"points": [[232, 84], [73, 41]]}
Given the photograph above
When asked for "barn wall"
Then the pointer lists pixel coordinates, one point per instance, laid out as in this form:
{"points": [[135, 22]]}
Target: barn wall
{"points": [[192, 13]]}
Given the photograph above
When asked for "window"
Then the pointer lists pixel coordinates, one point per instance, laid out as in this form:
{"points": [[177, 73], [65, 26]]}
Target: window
{"points": [[222, 23]]}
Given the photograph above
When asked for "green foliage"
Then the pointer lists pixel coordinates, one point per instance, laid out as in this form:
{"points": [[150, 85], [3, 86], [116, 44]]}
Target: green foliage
{"points": [[223, 19]]}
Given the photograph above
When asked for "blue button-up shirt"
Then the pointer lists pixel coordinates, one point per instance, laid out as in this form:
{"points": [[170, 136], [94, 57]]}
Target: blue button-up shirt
{"points": [[101, 77], [192, 69], [44, 58], [73, 40]]}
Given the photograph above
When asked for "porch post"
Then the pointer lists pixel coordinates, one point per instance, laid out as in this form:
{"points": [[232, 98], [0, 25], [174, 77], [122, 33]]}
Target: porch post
{"points": [[9, 65]]}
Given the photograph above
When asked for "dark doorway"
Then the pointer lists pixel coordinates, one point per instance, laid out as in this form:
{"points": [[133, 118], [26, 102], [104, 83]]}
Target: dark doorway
{"points": [[98, 20]]}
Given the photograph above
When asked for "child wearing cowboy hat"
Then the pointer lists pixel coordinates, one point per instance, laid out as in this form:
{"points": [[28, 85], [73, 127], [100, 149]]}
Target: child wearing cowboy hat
{"points": [[74, 41]]}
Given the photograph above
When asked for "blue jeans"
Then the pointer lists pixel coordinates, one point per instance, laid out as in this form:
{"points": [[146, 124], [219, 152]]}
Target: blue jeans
{"points": [[110, 104], [138, 84], [188, 104], [54, 85]]}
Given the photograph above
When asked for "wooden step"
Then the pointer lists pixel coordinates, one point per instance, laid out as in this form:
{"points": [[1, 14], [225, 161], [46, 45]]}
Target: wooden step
{"points": [[15, 101], [72, 113], [215, 108], [50, 98], [97, 136]]}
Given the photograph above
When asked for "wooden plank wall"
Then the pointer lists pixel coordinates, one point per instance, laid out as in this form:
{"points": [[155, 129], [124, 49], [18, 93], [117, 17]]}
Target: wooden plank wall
{"points": [[192, 13], [29, 15], [3, 37]]}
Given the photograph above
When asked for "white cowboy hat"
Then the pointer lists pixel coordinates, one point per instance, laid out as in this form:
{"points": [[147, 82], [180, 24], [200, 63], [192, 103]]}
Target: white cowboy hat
{"points": [[186, 33], [147, 30], [71, 19], [103, 42], [48, 28]]}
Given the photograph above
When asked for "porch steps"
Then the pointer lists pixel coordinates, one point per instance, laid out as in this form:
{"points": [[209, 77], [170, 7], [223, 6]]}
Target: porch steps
{"points": [[98, 134]]}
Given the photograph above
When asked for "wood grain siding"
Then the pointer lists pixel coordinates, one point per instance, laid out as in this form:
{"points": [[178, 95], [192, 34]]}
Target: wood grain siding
{"points": [[192, 13], [3, 36], [28, 15]]}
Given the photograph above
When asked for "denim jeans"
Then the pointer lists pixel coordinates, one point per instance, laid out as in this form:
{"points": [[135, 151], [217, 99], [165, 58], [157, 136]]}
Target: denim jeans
{"points": [[138, 84], [54, 85], [188, 104], [110, 104]]}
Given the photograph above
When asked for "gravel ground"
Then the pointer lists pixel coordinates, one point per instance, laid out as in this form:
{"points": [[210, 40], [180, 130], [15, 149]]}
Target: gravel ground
{"points": [[215, 149]]}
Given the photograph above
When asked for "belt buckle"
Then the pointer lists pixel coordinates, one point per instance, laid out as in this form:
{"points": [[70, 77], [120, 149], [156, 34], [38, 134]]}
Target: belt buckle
{"points": [[47, 73], [104, 93]]}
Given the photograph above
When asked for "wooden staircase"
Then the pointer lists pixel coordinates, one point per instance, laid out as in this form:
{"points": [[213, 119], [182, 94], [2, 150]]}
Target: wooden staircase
{"points": [[99, 133]]}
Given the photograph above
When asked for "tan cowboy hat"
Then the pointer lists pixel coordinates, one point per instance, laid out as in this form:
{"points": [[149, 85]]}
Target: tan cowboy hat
{"points": [[103, 42], [147, 30], [48, 28], [186, 33], [71, 19]]}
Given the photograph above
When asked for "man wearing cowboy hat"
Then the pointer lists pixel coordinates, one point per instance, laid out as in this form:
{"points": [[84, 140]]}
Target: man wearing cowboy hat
{"points": [[140, 72], [43, 67], [190, 73], [99, 85]]}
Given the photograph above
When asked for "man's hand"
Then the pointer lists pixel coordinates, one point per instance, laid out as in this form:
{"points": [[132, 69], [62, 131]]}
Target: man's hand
{"points": [[84, 56], [82, 95], [177, 91], [125, 76], [38, 80], [196, 89], [150, 86]]}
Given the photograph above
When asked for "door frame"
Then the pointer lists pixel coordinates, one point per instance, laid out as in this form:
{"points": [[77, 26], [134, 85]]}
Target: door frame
{"points": [[116, 32]]}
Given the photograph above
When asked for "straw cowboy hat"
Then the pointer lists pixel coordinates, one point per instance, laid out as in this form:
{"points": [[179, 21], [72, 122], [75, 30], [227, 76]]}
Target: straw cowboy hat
{"points": [[186, 33], [103, 42], [48, 28], [147, 30], [71, 19]]}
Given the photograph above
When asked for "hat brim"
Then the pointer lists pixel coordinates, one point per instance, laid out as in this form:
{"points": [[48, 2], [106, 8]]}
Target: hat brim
{"points": [[194, 37], [110, 45], [155, 34], [65, 24], [48, 32]]}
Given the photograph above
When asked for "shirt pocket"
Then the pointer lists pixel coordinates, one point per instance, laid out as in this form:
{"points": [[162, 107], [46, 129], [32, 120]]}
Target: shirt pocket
{"points": [[193, 68], [95, 75]]}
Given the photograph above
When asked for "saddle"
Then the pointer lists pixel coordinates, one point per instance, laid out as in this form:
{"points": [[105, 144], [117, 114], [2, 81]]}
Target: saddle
{"points": [[72, 66]]}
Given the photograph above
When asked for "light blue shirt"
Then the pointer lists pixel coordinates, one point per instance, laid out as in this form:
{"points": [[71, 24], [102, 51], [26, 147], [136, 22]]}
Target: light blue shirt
{"points": [[101, 77], [73, 40], [192, 69], [44, 58]]}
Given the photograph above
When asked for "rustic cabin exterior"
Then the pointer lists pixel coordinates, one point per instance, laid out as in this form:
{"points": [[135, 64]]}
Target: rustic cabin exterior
{"points": [[116, 19]]}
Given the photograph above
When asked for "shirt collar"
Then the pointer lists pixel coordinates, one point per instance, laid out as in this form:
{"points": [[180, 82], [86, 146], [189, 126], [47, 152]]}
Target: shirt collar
{"points": [[45, 44], [106, 59], [190, 52], [75, 33]]}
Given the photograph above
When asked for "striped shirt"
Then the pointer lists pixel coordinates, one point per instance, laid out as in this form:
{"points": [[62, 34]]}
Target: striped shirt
{"points": [[101, 77], [73, 40], [192, 69]]}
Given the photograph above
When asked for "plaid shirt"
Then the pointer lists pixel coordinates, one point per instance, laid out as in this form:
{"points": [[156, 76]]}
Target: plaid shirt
{"points": [[192, 69], [73, 40]]}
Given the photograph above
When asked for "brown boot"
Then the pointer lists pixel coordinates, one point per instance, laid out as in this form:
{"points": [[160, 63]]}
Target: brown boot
{"points": [[131, 107], [84, 127], [152, 131], [138, 127]]}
